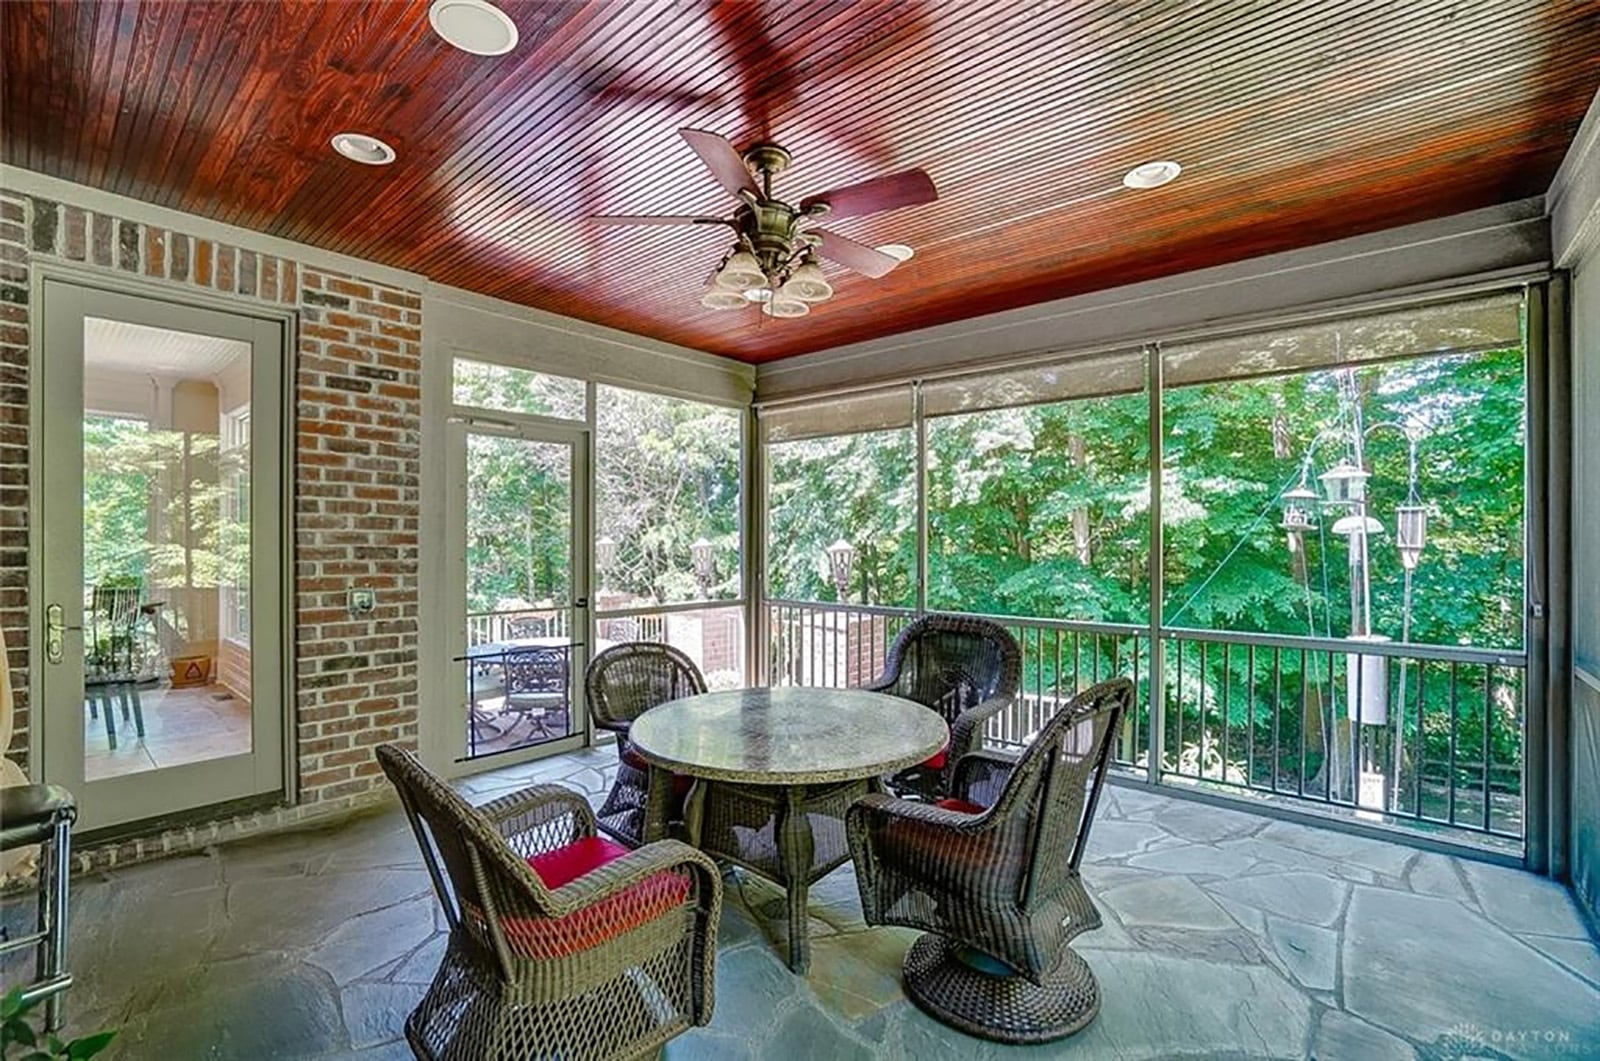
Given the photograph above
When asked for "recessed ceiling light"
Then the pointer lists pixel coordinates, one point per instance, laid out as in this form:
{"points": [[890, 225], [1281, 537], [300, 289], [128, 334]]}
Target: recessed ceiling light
{"points": [[1152, 174], [359, 147], [474, 26], [897, 251]]}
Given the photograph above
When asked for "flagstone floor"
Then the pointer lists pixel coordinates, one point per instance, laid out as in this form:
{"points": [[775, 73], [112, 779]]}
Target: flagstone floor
{"points": [[1227, 935]]}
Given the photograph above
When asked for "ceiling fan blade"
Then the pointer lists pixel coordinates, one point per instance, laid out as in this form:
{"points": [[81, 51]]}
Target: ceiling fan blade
{"points": [[911, 187], [868, 261], [674, 219], [722, 159]]}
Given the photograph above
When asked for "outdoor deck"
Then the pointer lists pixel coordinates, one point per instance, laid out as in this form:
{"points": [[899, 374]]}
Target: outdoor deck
{"points": [[1227, 934]]}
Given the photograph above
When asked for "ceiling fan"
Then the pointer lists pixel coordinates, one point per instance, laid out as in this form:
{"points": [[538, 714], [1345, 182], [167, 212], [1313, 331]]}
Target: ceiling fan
{"points": [[773, 259]]}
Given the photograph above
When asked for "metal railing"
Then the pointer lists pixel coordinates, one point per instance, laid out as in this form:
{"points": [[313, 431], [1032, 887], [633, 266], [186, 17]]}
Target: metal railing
{"points": [[492, 626], [1426, 736]]}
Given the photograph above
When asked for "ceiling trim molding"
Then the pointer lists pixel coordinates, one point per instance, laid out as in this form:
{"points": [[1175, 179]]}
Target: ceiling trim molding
{"points": [[1504, 240], [43, 186], [573, 327], [1574, 195]]}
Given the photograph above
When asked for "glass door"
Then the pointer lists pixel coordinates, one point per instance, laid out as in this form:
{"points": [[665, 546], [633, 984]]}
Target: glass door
{"points": [[516, 551], [160, 540]]}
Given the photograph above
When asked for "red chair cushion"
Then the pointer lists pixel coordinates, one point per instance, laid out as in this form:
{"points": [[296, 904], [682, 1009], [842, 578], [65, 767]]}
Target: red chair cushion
{"points": [[558, 937], [568, 863], [633, 758], [961, 805], [939, 758], [681, 783]]}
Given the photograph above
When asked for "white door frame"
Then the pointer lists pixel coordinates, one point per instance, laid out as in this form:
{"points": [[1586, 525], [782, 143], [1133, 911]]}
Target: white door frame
{"points": [[443, 750], [64, 298]]}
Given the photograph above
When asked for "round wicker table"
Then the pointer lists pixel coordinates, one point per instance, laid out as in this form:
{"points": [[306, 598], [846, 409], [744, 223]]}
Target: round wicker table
{"points": [[774, 771]]}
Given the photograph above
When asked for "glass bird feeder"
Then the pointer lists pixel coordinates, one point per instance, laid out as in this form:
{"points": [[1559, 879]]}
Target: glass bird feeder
{"points": [[1344, 484], [1411, 533], [841, 558], [605, 552], [1298, 505], [700, 552]]}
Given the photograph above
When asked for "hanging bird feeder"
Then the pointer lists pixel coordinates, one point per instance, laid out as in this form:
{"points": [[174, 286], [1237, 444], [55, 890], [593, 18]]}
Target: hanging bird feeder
{"points": [[1411, 533], [1298, 505], [1345, 484]]}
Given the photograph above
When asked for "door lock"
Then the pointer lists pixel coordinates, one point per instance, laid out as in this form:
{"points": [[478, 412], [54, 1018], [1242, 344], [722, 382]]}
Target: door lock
{"points": [[55, 630]]}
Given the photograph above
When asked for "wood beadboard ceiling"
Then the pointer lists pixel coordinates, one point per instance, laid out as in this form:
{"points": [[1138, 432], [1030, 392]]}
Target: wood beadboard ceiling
{"points": [[1296, 121]]}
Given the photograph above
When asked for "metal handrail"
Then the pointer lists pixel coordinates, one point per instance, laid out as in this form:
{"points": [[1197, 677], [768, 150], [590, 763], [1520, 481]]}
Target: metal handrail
{"points": [[1296, 642], [670, 609], [1398, 649]]}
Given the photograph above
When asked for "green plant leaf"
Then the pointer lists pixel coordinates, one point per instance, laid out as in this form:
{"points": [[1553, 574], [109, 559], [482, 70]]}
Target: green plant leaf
{"points": [[18, 1030], [11, 1005], [89, 1045]]}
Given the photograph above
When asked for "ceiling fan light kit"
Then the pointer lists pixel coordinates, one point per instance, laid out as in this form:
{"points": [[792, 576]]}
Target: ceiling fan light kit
{"points": [[773, 260]]}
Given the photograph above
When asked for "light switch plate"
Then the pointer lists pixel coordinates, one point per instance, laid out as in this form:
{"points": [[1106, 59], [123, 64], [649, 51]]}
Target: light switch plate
{"points": [[363, 600]]}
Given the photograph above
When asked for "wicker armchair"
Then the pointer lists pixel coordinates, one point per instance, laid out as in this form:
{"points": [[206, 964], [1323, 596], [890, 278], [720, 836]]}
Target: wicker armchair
{"points": [[992, 877], [965, 668], [622, 683], [562, 944]]}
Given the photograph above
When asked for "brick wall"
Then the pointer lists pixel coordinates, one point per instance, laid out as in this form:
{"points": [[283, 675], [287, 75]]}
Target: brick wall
{"points": [[358, 411]]}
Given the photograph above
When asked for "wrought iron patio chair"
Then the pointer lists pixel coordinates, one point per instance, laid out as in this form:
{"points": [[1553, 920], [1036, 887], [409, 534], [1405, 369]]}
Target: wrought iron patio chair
{"points": [[622, 683], [538, 688], [991, 876], [965, 668], [562, 944], [114, 662]]}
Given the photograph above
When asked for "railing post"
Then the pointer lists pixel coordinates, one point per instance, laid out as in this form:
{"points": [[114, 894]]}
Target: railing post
{"points": [[1158, 670], [921, 437]]}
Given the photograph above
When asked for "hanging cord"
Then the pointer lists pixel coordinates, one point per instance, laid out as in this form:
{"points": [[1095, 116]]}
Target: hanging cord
{"points": [[1272, 503]]}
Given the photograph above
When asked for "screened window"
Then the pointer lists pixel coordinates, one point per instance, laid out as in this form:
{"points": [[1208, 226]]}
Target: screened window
{"points": [[666, 501], [484, 385], [1261, 438], [1038, 492], [842, 476]]}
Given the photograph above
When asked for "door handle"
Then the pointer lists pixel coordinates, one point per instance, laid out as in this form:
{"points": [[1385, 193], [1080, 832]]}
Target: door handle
{"points": [[55, 630]]}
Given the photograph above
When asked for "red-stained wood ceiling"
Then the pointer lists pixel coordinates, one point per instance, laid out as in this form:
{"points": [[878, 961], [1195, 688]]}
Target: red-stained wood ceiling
{"points": [[1296, 121]]}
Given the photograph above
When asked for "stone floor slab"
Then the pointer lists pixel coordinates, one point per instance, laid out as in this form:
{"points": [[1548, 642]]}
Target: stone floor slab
{"points": [[1304, 897], [1311, 954], [1341, 1037], [1522, 902], [1167, 902], [1429, 969]]}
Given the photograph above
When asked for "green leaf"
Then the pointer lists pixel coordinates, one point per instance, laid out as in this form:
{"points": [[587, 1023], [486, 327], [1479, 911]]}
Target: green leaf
{"points": [[20, 1031], [89, 1045], [11, 1005]]}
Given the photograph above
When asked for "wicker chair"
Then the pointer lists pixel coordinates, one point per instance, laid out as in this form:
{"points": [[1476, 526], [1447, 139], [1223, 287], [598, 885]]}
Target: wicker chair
{"points": [[965, 668], [562, 944], [992, 878], [622, 683]]}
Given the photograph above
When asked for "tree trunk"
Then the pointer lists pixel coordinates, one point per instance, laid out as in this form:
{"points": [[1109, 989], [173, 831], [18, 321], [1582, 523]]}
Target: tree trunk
{"points": [[1080, 515]]}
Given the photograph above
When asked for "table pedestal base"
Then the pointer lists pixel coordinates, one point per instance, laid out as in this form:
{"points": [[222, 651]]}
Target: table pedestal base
{"points": [[964, 993]]}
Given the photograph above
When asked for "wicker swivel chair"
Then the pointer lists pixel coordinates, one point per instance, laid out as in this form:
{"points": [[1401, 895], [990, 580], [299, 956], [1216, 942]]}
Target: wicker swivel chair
{"points": [[622, 683], [966, 669], [992, 877], [562, 944]]}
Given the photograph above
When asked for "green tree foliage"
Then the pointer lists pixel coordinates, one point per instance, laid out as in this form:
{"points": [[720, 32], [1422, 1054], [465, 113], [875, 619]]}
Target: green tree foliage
{"points": [[666, 474]]}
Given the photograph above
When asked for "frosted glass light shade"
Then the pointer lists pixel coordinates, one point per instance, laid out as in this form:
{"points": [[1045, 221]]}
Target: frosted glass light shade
{"points": [[740, 272], [807, 284], [722, 298], [783, 306]]}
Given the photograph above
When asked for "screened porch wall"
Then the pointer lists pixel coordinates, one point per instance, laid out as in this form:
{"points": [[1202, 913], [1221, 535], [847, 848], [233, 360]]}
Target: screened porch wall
{"points": [[1224, 705]]}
